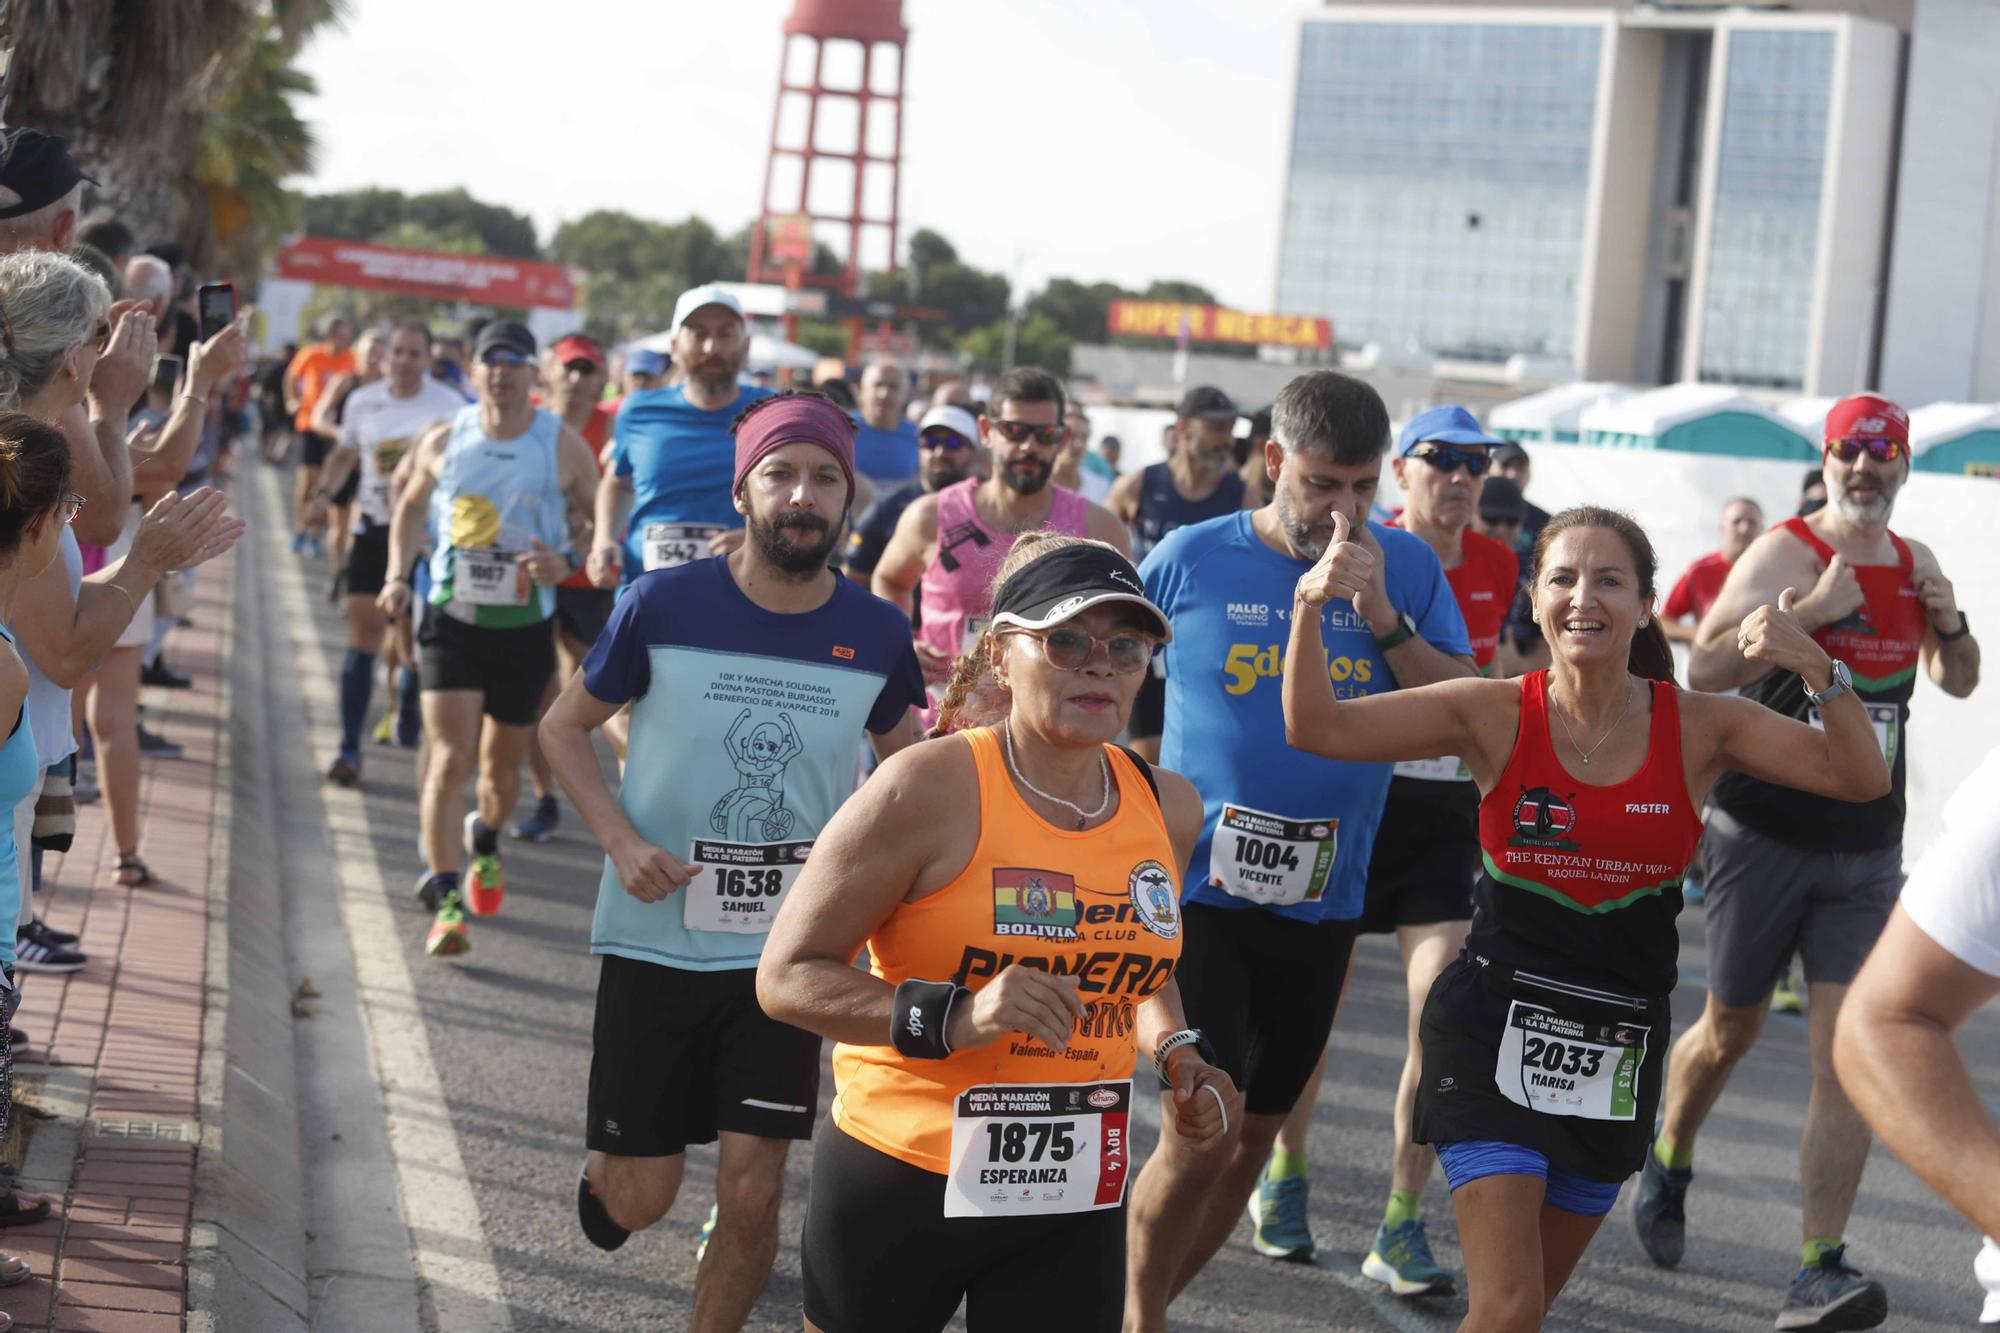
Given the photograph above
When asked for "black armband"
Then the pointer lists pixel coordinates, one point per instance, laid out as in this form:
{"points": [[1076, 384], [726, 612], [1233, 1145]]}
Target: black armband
{"points": [[923, 1008]]}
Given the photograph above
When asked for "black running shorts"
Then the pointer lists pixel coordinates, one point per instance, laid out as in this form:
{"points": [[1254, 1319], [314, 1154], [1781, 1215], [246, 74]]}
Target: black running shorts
{"points": [[368, 560], [581, 613], [1263, 989], [880, 1256], [1426, 856], [510, 668], [679, 1056], [314, 447]]}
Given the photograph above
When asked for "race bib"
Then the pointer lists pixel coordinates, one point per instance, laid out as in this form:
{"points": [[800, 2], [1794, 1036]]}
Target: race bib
{"points": [[489, 578], [668, 545], [1887, 721], [1569, 1066], [1019, 1150], [1446, 768], [1269, 859], [741, 884]]}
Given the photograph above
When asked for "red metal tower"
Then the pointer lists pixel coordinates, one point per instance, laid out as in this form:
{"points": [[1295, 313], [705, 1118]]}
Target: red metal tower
{"points": [[781, 246]]}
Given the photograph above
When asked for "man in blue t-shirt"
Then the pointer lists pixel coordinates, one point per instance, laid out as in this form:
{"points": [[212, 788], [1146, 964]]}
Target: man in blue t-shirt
{"points": [[1276, 883], [885, 441], [665, 495], [752, 678]]}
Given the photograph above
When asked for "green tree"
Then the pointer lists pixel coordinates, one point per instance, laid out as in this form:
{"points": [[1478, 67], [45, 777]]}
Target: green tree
{"points": [[371, 214], [1187, 293], [1037, 342], [1078, 310]]}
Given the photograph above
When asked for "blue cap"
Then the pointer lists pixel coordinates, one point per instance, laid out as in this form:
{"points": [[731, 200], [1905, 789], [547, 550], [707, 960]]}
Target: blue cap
{"points": [[1450, 424], [645, 361]]}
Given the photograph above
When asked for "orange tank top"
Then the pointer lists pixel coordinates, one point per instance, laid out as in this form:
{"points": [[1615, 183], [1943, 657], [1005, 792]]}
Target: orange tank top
{"points": [[1102, 904]]}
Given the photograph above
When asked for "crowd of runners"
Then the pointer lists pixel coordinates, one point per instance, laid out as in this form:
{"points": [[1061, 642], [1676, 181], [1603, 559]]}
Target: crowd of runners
{"points": [[928, 731]]}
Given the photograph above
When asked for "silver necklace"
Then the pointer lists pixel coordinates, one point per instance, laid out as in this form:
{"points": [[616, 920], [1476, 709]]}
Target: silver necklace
{"points": [[1601, 739], [1083, 816]]}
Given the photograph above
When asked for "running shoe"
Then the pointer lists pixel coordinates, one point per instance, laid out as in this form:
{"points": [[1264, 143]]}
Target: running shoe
{"points": [[1833, 1295], [48, 934], [315, 546], [1278, 1214], [385, 730], [485, 882], [1785, 997], [1400, 1259], [427, 889], [345, 770], [448, 936], [707, 1230], [1986, 1268], [1659, 1210], [164, 676], [33, 953], [298, 543], [597, 1225], [538, 826]]}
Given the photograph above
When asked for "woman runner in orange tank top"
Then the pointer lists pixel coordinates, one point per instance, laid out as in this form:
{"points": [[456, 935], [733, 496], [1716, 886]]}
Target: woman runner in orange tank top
{"points": [[1018, 891], [1542, 1044]]}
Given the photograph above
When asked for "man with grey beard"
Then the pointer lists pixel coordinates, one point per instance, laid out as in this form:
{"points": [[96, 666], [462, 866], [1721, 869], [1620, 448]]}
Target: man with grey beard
{"points": [[1788, 871]]}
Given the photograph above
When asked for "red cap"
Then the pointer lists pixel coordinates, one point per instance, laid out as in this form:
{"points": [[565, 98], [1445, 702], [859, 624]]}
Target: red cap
{"points": [[576, 347], [1866, 416]]}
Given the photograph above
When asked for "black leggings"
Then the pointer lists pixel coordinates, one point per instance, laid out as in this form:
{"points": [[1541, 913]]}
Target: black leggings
{"points": [[880, 1256]]}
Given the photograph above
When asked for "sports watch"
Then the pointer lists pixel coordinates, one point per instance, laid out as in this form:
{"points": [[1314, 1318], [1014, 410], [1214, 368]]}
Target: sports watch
{"points": [[1843, 681], [1406, 629], [1173, 1042]]}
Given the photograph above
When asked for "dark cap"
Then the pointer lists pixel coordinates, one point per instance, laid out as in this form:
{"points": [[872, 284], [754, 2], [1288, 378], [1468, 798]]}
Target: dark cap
{"points": [[1510, 452], [1501, 501], [1205, 402], [504, 335], [38, 168], [1068, 581]]}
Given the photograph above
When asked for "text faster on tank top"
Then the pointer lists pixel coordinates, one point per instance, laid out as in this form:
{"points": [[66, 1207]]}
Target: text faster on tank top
{"points": [[1162, 507], [1580, 882], [1879, 643], [1102, 904], [493, 498], [957, 588]]}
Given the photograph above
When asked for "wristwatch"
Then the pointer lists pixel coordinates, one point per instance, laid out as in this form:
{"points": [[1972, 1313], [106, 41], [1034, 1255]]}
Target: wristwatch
{"points": [[1173, 1042], [1964, 628], [1406, 629], [1843, 681]]}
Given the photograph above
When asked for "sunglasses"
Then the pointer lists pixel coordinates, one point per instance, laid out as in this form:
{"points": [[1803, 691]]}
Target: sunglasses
{"points": [[1881, 450], [1070, 649], [71, 503], [1020, 432], [500, 356], [944, 439], [1451, 460]]}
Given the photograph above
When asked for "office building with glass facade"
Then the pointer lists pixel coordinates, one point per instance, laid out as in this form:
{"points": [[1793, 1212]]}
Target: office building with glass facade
{"points": [[1648, 195]]}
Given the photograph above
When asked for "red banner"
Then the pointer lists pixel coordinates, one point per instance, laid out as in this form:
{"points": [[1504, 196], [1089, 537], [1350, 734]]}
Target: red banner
{"points": [[479, 279], [1216, 324]]}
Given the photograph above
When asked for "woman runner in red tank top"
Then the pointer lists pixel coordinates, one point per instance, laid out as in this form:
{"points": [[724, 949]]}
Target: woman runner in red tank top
{"points": [[1542, 1045]]}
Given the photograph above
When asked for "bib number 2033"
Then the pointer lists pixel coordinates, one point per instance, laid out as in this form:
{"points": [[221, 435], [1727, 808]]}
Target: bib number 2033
{"points": [[1020, 1150], [1560, 1065]]}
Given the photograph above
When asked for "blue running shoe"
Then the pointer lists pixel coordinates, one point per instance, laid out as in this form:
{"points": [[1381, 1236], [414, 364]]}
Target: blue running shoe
{"points": [[1278, 1212], [538, 826], [1832, 1295], [1400, 1259]]}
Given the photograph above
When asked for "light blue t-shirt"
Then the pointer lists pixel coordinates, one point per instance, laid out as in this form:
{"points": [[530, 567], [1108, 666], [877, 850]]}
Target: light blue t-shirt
{"points": [[885, 455], [680, 460], [1295, 830], [746, 727]]}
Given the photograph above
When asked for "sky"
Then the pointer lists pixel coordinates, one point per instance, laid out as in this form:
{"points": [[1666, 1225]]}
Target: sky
{"points": [[1124, 140]]}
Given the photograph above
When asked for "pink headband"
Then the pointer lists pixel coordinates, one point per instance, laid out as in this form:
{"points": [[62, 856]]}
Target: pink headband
{"points": [[795, 420]]}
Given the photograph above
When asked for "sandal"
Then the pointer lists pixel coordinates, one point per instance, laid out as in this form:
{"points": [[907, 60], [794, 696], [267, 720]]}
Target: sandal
{"points": [[13, 1272], [14, 1212], [132, 874]]}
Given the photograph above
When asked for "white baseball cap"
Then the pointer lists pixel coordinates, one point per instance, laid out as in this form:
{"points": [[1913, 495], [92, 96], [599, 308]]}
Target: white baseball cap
{"points": [[709, 293], [954, 419]]}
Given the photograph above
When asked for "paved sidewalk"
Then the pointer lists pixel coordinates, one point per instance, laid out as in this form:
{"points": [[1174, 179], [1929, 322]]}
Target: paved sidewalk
{"points": [[116, 1048]]}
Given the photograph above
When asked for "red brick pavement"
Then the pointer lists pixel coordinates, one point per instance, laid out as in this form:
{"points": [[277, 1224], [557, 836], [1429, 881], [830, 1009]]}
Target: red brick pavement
{"points": [[113, 1257]]}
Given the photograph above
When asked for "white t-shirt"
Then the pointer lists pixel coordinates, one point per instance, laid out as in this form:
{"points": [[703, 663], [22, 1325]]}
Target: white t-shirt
{"points": [[1954, 894], [382, 428]]}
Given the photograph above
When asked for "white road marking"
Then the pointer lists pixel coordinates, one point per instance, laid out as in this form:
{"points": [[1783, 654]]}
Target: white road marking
{"points": [[458, 1279]]}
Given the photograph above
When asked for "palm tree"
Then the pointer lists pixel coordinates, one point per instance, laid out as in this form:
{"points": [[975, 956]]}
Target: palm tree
{"points": [[250, 141]]}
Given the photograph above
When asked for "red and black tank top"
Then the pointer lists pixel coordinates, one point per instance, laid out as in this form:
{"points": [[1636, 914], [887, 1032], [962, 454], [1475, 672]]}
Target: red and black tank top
{"points": [[1879, 643], [1583, 882]]}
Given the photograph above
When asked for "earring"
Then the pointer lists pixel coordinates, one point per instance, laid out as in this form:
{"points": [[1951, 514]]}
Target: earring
{"points": [[1642, 622]]}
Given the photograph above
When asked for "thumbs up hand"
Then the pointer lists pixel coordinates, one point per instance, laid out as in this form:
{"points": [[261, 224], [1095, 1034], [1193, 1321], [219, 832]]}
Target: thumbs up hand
{"points": [[1350, 568], [1773, 635]]}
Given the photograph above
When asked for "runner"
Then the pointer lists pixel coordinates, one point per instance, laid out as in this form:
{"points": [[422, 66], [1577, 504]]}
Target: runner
{"points": [[331, 507], [377, 428], [1502, 509], [1543, 1044], [1696, 590], [948, 438], [504, 484], [751, 679], [574, 375], [1796, 873], [953, 542], [670, 457], [1194, 483], [305, 378], [885, 441], [1021, 959], [1280, 865], [1511, 461], [1426, 854]]}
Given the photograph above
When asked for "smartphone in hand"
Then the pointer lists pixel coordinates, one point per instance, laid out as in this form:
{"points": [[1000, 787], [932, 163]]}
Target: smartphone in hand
{"points": [[215, 303]]}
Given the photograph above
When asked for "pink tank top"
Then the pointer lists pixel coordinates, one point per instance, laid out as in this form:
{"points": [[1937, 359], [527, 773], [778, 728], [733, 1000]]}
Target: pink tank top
{"points": [[957, 587]]}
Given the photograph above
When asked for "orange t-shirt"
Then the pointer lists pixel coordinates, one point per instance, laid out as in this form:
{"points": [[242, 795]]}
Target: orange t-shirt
{"points": [[313, 367], [1102, 904]]}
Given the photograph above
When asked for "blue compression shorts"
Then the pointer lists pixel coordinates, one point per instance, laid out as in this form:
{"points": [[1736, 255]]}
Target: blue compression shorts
{"points": [[1475, 1159]]}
